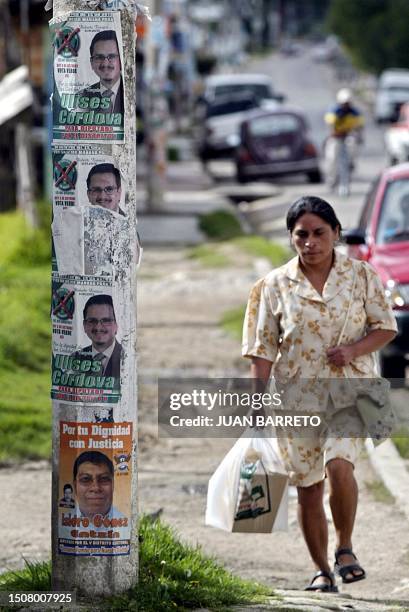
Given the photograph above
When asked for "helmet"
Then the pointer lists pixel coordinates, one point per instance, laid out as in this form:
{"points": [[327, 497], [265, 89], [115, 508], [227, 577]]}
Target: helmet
{"points": [[344, 96]]}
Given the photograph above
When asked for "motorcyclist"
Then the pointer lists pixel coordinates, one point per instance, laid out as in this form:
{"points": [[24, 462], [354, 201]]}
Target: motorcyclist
{"points": [[346, 123]]}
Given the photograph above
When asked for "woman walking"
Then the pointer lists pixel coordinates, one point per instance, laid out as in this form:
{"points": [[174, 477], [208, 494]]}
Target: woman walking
{"points": [[320, 316]]}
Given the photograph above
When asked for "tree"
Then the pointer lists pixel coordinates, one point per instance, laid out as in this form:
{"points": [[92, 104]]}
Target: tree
{"points": [[375, 31]]}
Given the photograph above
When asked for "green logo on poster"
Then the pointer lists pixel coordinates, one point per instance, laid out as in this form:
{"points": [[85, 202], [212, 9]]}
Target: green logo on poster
{"points": [[63, 304], [67, 42], [65, 174]]}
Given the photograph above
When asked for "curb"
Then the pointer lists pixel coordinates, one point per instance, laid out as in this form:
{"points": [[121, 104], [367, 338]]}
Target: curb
{"points": [[392, 470]]}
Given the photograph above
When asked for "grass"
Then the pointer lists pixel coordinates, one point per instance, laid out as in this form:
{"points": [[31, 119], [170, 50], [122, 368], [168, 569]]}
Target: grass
{"points": [[227, 252], [220, 225], [257, 246], [210, 256], [25, 336], [401, 441], [380, 492], [172, 576], [232, 321]]}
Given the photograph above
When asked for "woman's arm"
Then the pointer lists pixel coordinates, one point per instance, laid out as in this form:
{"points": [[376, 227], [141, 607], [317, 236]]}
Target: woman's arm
{"points": [[260, 372], [343, 354]]}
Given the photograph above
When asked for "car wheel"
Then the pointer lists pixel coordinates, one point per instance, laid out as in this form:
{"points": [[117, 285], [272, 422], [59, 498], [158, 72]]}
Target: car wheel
{"points": [[314, 176], [394, 368]]}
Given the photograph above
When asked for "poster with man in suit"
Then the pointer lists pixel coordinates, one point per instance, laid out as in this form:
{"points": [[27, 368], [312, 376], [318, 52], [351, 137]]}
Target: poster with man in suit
{"points": [[95, 464], [87, 351], [88, 97]]}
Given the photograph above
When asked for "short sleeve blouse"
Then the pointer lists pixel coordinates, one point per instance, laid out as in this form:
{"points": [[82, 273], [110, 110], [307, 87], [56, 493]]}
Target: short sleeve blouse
{"points": [[290, 324]]}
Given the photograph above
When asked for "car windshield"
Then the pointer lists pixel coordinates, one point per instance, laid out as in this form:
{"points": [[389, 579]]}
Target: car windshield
{"points": [[272, 125], [398, 89], [394, 220], [258, 90], [230, 106]]}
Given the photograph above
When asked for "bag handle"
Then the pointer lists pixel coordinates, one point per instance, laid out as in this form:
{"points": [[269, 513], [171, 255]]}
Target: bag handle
{"points": [[349, 307]]}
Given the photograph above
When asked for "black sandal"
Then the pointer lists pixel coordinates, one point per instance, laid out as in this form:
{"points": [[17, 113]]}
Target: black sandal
{"points": [[323, 588], [344, 570]]}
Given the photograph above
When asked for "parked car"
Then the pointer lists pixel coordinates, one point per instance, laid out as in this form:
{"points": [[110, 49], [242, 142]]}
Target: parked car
{"points": [[276, 143], [393, 91], [382, 239], [258, 85], [218, 132], [397, 137]]}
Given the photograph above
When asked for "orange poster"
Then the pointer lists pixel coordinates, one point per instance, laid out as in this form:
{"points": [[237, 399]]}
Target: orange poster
{"points": [[94, 516]]}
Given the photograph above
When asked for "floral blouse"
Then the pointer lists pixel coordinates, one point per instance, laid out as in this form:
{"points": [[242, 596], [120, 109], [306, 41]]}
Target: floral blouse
{"points": [[290, 324]]}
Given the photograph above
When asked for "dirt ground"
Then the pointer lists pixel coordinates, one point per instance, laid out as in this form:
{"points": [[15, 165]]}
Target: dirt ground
{"points": [[180, 304]]}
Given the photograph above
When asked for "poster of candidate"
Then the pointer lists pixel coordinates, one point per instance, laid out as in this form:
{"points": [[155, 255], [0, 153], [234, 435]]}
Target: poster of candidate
{"points": [[94, 503], [87, 351], [88, 95], [84, 176]]}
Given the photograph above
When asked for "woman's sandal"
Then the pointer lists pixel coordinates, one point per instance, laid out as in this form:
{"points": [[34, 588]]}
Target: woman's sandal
{"points": [[323, 587], [344, 570]]}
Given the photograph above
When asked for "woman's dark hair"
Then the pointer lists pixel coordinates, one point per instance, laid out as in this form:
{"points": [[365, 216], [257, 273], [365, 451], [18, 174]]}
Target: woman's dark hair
{"points": [[316, 206]]}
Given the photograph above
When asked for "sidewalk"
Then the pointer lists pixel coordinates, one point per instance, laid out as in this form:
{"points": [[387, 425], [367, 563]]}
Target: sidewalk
{"points": [[190, 192]]}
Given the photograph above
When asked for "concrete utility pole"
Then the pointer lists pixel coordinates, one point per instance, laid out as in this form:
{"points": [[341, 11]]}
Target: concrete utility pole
{"points": [[96, 251], [156, 112]]}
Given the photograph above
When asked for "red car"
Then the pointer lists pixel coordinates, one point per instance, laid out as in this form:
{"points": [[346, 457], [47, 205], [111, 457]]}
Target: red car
{"points": [[382, 239], [274, 144]]}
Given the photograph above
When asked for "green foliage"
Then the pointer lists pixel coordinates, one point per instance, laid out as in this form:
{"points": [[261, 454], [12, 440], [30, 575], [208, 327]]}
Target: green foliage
{"points": [[220, 225], [380, 492], [401, 441], [25, 336], [276, 253], [209, 255], [24, 318], [34, 577], [172, 576], [230, 252], [232, 321], [25, 415], [375, 31], [12, 227]]}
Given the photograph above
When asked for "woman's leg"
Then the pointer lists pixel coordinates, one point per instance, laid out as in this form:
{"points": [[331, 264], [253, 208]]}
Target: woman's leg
{"points": [[343, 500], [313, 523]]}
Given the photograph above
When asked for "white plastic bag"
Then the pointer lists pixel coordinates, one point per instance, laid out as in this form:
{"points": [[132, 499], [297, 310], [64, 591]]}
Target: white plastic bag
{"points": [[224, 485]]}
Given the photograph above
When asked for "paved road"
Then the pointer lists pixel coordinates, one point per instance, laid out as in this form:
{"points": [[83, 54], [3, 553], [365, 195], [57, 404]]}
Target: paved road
{"points": [[312, 87]]}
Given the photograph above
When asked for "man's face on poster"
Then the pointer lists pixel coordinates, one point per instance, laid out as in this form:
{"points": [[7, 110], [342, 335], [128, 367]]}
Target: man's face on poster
{"points": [[68, 494], [94, 488], [106, 63], [100, 326], [103, 191]]}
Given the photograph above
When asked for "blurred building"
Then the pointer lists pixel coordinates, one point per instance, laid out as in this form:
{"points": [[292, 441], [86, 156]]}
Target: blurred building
{"points": [[25, 52]]}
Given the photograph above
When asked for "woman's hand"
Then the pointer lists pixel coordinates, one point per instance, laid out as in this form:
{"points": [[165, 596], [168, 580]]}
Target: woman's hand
{"points": [[341, 355]]}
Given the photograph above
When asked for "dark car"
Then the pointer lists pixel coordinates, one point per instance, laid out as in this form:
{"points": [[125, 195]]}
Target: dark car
{"points": [[274, 144], [382, 239]]}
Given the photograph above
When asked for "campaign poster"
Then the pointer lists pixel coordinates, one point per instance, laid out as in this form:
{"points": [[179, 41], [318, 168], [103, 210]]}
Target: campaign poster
{"points": [[94, 503], [85, 176], [88, 95], [86, 340]]}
